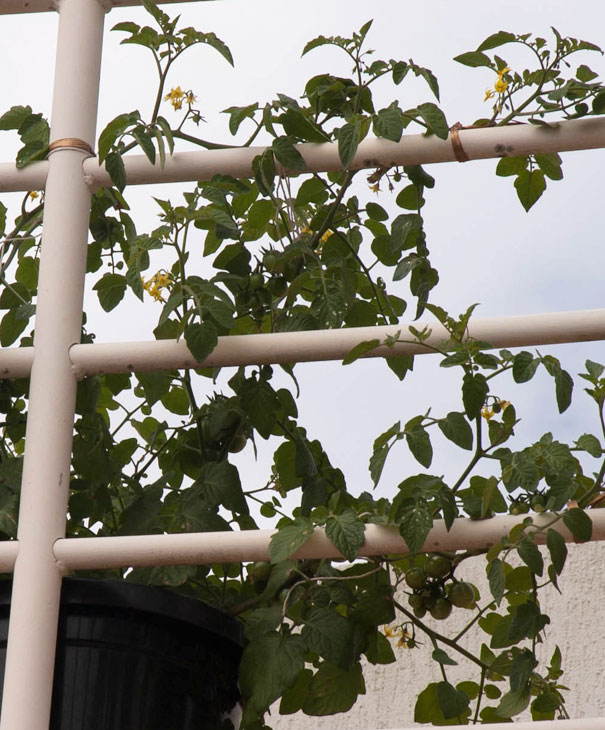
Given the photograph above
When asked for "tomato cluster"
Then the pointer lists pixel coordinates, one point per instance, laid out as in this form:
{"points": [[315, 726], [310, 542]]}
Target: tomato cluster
{"points": [[436, 590]]}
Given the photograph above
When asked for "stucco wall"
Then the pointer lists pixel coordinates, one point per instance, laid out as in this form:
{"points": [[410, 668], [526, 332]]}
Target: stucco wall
{"points": [[577, 627]]}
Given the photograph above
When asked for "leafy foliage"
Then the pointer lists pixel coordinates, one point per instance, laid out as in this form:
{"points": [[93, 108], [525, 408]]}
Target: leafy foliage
{"points": [[296, 254]]}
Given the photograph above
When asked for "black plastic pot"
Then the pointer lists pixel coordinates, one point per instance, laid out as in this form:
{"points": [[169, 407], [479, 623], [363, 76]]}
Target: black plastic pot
{"points": [[132, 657]]}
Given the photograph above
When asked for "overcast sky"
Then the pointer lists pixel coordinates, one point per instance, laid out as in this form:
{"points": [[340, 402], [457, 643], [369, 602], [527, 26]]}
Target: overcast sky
{"points": [[486, 248]]}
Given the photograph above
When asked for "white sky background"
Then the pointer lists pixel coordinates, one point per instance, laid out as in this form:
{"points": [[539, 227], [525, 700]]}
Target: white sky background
{"points": [[486, 248]]}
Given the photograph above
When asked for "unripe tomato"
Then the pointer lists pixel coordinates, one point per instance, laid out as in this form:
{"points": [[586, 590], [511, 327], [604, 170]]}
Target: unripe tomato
{"points": [[269, 260], [441, 609], [437, 566], [415, 578], [256, 281], [278, 286], [415, 600], [420, 612], [238, 442], [462, 595]]}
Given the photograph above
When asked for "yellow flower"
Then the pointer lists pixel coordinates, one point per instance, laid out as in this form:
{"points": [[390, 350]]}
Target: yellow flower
{"points": [[155, 284], [391, 633], [487, 413], [504, 404], [501, 85], [306, 231], [375, 188], [175, 97], [488, 94], [503, 71], [325, 236], [190, 97], [33, 194]]}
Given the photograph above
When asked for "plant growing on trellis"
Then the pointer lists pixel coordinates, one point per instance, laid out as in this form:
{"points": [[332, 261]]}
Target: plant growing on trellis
{"points": [[301, 253]]}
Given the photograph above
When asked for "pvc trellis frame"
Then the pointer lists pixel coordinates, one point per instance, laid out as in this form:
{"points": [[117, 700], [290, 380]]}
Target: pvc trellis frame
{"points": [[41, 554]]}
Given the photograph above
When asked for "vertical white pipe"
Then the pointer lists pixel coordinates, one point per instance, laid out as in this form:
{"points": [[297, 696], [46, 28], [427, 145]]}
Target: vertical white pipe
{"points": [[37, 582]]}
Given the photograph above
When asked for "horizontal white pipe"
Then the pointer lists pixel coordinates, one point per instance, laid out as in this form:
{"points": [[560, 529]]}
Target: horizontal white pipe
{"points": [[8, 555], [587, 723], [9, 7], [313, 345], [251, 545], [32, 177], [413, 149]]}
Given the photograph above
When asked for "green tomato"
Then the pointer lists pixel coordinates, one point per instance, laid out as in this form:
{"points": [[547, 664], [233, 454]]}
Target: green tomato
{"points": [[420, 612], [437, 566], [415, 578], [278, 286], [269, 260], [462, 595], [441, 609], [415, 600], [237, 443], [256, 281]]}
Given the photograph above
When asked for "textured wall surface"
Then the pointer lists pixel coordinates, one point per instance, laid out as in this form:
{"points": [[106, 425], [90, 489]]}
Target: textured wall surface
{"points": [[577, 628]]}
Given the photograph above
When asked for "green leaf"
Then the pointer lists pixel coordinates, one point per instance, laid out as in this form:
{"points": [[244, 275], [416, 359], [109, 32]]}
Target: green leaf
{"points": [[591, 444], [281, 659], [442, 658], [451, 701], [512, 703], [435, 119], [531, 556], [145, 142], [401, 365], [360, 350], [524, 366], [347, 533], [219, 482], [527, 622], [289, 538], [511, 166], [348, 141], [201, 339], [419, 443], [114, 164], [32, 152], [296, 124], [473, 59], [113, 130], [287, 154], [497, 39], [388, 123], [333, 690], [563, 389], [110, 290], [474, 392], [293, 699], [457, 429], [550, 165], [496, 578], [529, 186], [327, 633], [555, 542], [415, 523], [14, 117], [11, 327], [578, 523]]}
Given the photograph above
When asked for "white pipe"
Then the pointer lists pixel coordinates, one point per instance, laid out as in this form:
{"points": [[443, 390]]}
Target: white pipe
{"points": [[8, 555], [9, 7], [316, 345], [413, 149], [587, 723], [32, 177], [250, 545], [45, 487], [287, 347]]}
